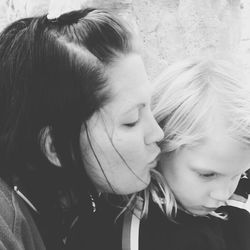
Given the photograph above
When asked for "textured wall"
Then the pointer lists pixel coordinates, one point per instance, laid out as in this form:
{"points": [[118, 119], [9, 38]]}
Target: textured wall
{"points": [[170, 29]]}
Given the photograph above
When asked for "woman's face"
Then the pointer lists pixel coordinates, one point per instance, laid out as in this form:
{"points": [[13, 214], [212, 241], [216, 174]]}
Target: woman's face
{"points": [[123, 134]]}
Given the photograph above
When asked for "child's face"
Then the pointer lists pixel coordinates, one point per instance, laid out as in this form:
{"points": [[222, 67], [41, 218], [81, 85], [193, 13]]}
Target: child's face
{"points": [[203, 177]]}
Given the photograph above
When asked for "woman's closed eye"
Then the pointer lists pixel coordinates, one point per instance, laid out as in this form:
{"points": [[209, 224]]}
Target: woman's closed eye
{"points": [[131, 124], [132, 119]]}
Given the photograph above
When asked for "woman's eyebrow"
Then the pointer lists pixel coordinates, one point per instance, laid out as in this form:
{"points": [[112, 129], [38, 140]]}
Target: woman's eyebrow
{"points": [[139, 106]]}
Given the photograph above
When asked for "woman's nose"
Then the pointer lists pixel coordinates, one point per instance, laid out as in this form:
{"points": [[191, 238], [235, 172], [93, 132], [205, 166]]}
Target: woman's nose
{"points": [[155, 132]]}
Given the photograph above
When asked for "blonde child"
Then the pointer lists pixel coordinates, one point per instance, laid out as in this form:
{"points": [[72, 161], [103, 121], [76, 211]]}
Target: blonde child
{"points": [[203, 106]]}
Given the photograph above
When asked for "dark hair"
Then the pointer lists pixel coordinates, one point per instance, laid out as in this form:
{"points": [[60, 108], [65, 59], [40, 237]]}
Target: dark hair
{"points": [[52, 76]]}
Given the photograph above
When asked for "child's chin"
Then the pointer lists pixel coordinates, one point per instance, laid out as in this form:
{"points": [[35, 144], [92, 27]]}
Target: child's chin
{"points": [[200, 212]]}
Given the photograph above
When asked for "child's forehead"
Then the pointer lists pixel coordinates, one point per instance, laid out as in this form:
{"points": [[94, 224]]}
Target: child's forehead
{"points": [[219, 130], [223, 155], [219, 144], [208, 122]]}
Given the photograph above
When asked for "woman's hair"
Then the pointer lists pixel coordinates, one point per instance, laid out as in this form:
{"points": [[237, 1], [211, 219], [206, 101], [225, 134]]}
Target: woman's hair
{"points": [[52, 79], [186, 96]]}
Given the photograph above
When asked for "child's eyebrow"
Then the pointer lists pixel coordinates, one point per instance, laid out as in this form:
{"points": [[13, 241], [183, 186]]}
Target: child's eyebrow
{"points": [[196, 168]]}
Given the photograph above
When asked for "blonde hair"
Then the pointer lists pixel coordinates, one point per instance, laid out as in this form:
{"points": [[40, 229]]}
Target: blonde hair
{"points": [[184, 100], [138, 203]]}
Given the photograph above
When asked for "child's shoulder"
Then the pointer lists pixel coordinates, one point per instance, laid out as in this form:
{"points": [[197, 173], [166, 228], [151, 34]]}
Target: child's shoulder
{"points": [[235, 211], [237, 218], [237, 226]]}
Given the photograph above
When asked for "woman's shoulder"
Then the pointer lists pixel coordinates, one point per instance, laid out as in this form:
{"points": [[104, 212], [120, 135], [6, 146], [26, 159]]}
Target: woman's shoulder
{"points": [[7, 206], [17, 228]]}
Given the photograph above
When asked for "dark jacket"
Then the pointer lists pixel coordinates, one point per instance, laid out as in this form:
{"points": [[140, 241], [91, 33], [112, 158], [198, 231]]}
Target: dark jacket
{"points": [[195, 233], [101, 230], [96, 230]]}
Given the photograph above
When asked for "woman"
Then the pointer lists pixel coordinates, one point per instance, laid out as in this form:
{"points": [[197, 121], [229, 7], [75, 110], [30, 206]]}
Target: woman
{"points": [[75, 122]]}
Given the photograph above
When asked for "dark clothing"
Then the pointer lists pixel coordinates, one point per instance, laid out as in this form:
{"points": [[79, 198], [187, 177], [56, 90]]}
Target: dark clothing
{"points": [[243, 187], [100, 230], [17, 228], [48, 231], [195, 233], [97, 230]]}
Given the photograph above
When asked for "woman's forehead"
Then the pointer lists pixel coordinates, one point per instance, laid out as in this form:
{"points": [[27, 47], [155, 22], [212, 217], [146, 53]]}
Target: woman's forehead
{"points": [[128, 83]]}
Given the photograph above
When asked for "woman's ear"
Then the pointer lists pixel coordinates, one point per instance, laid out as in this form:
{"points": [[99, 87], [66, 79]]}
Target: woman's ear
{"points": [[48, 147]]}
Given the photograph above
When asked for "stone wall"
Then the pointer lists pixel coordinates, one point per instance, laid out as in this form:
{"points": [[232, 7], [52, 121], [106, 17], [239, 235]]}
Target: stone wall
{"points": [[170, 29]]}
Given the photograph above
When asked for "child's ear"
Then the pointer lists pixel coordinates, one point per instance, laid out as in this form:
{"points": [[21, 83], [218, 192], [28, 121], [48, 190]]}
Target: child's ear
{"points": [[48, 147]]}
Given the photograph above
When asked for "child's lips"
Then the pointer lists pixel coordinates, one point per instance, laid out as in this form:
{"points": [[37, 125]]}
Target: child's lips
{"points": [[210, 209]]}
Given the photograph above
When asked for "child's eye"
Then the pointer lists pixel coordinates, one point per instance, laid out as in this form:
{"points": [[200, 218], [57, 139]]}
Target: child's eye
{"points": [[208, 175]]}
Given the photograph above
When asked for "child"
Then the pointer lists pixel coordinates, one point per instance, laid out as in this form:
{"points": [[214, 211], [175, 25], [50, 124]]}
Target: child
{"points": [[203, 106]]}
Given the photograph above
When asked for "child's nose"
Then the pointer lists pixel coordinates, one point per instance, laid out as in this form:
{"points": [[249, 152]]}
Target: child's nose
{"points": [[222, 194]]}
